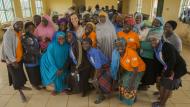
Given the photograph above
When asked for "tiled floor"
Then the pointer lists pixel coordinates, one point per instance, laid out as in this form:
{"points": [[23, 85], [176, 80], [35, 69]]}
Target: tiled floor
{"points": [[11, 98]]}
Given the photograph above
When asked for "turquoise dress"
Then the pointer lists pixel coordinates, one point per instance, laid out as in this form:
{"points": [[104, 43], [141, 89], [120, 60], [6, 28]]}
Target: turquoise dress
{"points": [[54, 59]]}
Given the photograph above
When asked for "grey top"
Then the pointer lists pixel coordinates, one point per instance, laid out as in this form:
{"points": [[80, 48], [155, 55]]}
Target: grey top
{"points": [[175, 40], [9, 46]]}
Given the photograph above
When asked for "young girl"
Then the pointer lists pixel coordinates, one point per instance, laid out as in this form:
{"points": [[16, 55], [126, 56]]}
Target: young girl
{"points": [[79, 65], [131, 72], [31, 57], [53, 64], [102, 78], [90, 33]]}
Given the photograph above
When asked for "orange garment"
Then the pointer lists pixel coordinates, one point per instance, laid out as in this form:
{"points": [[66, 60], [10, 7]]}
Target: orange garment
{"points": [[132, 39], [92, 36], [19, 49], [131, 60]]}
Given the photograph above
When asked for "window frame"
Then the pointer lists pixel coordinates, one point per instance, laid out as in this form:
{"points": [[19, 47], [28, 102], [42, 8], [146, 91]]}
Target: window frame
{"points": [[39, 8], [139, 6], [5, 10], [25, 9]]}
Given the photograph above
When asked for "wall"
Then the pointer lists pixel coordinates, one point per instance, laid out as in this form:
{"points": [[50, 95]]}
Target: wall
{"points": [[171, 11], [60, 6], [17, 8], [147, 6], [132, 6], [92, 3]]}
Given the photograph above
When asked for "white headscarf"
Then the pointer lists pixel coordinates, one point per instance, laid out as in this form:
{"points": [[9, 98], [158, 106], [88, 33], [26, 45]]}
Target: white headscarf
{"points": [[16, 19], [105, 35]]}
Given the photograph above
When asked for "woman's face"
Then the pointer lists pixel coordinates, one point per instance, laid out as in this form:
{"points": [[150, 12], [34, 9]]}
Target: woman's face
{"points": [[88, 29], [119, 20], [44, 21], [61, 40], [63, 26], [37, 20], [168, 28], [102, 19], [31, 29], [156, 23], [18, 26], [154, 42], [138, 19], [127, 28], [95, 19], [121, 49], [86, 45], [69, 37], [74, 20]]}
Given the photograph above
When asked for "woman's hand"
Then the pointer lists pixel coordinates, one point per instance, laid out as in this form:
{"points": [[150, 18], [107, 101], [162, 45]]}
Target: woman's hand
{"points": [[15, 65], [172, 76]]}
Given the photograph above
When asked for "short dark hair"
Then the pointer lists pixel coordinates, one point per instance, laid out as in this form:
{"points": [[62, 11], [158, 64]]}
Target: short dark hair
{"points": [[97, 6], [87, 40], [172, 23], [27, 24], [38, 16]]}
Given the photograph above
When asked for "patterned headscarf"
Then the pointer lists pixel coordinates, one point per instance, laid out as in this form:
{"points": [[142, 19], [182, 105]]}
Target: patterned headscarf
{"points": [[93, 25], [130, 21], [62, 20]]}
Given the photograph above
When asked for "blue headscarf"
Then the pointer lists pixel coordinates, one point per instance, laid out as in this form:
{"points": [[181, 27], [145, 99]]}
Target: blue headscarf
{"points": [[161, 20], [156, 31], [53, 60], [116, 59]]}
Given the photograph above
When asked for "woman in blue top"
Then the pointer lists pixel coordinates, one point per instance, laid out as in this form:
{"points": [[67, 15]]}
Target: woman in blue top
{"points": [[53, 64], [102, 77]]}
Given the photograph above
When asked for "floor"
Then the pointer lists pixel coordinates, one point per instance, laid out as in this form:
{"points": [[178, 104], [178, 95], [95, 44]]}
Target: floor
{"points": [[11, 98]]}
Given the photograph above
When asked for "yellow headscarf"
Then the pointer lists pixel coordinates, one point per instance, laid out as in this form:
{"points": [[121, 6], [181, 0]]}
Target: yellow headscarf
{"points": [[102, 13], [93, 25]]}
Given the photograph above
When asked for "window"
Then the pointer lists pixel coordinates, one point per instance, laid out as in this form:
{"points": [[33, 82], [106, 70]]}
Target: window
{"points": [[26, 8], [184, 12], [6, 11], [139, 5], [154, 9], [39, 7]]}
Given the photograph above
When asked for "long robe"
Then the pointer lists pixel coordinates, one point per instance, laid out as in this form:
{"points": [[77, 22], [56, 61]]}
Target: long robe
{"points": [[53, 60], [105, 35]]}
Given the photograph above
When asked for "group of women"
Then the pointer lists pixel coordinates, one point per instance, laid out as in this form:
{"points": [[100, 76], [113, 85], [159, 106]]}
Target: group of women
{"points": [[124, 55]]}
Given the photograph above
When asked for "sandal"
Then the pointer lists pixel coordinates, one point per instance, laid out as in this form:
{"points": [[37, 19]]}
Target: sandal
{"points": [[99, 99], [156, 104]]}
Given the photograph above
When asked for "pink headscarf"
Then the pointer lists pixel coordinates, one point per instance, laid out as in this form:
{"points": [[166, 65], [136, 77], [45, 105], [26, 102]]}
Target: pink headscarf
{"points": [[48, 31], [43, 32], [129, 20]]}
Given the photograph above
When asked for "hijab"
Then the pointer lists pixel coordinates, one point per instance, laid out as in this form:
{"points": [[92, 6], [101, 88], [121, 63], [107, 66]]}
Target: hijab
{"points": [[47, 31]]}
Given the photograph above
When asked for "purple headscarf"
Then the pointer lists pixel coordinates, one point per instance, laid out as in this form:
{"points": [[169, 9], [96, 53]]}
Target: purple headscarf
{"points": [[62, 20]]}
